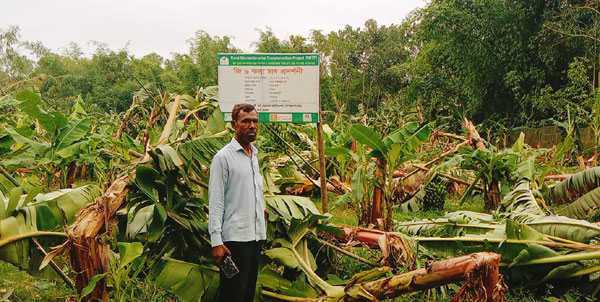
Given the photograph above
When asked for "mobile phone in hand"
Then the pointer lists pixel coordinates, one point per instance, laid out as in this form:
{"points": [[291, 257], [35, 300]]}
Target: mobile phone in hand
{"points": [[228, 267]]}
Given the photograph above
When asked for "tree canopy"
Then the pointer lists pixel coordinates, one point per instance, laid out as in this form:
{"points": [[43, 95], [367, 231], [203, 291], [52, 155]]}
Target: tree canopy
{"points": [[502, 62]]}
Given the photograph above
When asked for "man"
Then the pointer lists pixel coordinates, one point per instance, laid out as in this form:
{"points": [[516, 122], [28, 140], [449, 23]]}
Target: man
{"points": [[236, 207]]}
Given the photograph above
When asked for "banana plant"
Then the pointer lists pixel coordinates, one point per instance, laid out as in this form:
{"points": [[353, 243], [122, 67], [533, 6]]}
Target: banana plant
{"points": [[390, 152], [535, 245], [35, 215], [494, 169], [166, 212], [574, 187], [58, 141]]}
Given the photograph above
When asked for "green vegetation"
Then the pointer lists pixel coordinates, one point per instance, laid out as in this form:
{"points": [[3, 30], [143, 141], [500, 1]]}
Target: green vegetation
{"points": [[104, 159]]}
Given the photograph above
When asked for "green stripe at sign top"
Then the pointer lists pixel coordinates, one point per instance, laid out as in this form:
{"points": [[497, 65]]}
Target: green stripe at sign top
{"points": [[295, 117], [309, 59]]}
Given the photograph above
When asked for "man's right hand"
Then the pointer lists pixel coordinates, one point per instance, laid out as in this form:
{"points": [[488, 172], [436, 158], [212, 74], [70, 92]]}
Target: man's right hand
{"points": [[219, 252]]}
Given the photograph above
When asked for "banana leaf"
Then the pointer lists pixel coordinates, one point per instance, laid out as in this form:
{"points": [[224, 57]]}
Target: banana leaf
{"points": [[415, 203], [72, 132], [42, 215], [30, 103], [523, 205], [565, 228], [583, 206], [575, 186], [520, 202], [290, 206], [453, 224], [198, 153], [190, 282]]}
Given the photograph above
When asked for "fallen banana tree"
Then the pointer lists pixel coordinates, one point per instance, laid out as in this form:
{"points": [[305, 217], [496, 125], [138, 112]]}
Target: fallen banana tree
{"points": [[41, 216], [479, 270], [524, 233], [87, 246]]}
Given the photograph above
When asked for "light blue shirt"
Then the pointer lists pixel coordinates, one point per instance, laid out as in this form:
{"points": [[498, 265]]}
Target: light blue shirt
{"points": [[235, 196]]}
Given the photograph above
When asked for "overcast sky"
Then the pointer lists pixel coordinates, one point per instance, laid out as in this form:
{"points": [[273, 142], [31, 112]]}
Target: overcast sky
{"points": [[164, 26]]}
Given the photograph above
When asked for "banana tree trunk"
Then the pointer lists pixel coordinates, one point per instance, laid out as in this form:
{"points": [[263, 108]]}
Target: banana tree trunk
{"points": [[479, 270], [493, 196], [88, 253], [377, 209]]}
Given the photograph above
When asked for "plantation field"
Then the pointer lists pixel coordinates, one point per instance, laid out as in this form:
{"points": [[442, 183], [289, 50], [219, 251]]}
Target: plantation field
{"points": [[457, 150], [125, 203]]}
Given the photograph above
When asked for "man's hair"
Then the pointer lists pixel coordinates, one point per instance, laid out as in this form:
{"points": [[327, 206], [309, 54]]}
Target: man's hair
{"points": [[235, 113]]}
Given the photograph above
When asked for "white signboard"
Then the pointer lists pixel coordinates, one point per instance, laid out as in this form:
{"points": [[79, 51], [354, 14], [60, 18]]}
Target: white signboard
{"points": [[283, 88]]}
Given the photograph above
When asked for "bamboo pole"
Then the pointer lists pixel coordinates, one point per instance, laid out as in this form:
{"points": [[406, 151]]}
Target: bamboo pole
{"points": [[349, 254], [322, 163], [53, 264]]}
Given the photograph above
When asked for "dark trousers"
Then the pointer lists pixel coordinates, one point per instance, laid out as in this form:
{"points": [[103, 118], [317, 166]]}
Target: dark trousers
{"points": [[241, 287]]}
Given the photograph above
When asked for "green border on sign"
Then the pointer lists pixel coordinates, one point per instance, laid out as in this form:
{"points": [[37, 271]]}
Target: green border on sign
{"points": [[297, 117], [291, 59]]}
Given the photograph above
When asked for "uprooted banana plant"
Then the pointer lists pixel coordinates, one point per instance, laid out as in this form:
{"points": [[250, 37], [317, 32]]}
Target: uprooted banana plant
{"points": [[535, 246], [292, 255], [158, 185]]}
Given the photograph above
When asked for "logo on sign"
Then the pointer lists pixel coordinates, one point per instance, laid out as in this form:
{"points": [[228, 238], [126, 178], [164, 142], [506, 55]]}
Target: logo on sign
{"points": [[307, 117], [224, 60]]}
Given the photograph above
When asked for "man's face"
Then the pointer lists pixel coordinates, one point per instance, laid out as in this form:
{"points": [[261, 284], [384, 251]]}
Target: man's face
{"points": [[246, 126]]}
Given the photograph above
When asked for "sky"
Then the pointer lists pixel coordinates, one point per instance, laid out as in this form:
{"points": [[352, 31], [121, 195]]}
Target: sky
{"points": [[163, 27]]}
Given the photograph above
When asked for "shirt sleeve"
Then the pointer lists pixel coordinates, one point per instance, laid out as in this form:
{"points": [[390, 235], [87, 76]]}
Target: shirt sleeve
{"points": [[216, 199]]}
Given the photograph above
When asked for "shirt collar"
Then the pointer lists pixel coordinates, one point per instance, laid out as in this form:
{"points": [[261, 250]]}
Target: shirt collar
{"points": [[236, 145]]}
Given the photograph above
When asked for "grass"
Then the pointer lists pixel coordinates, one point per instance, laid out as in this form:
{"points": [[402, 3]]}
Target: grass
{"points": [[16, 285]]}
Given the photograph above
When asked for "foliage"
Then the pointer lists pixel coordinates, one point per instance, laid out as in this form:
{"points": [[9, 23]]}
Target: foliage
{"points": [[502, 63], [391, 151], [58, 144], [37, 215]]}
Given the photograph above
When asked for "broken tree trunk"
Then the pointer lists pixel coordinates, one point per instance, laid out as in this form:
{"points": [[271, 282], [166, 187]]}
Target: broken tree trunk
{"points": [[493, 195], [450, 177], [377, 208], [479, 270], [440, 157], [557, 177], [88, 254], [87, 249], [474, 136]]}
